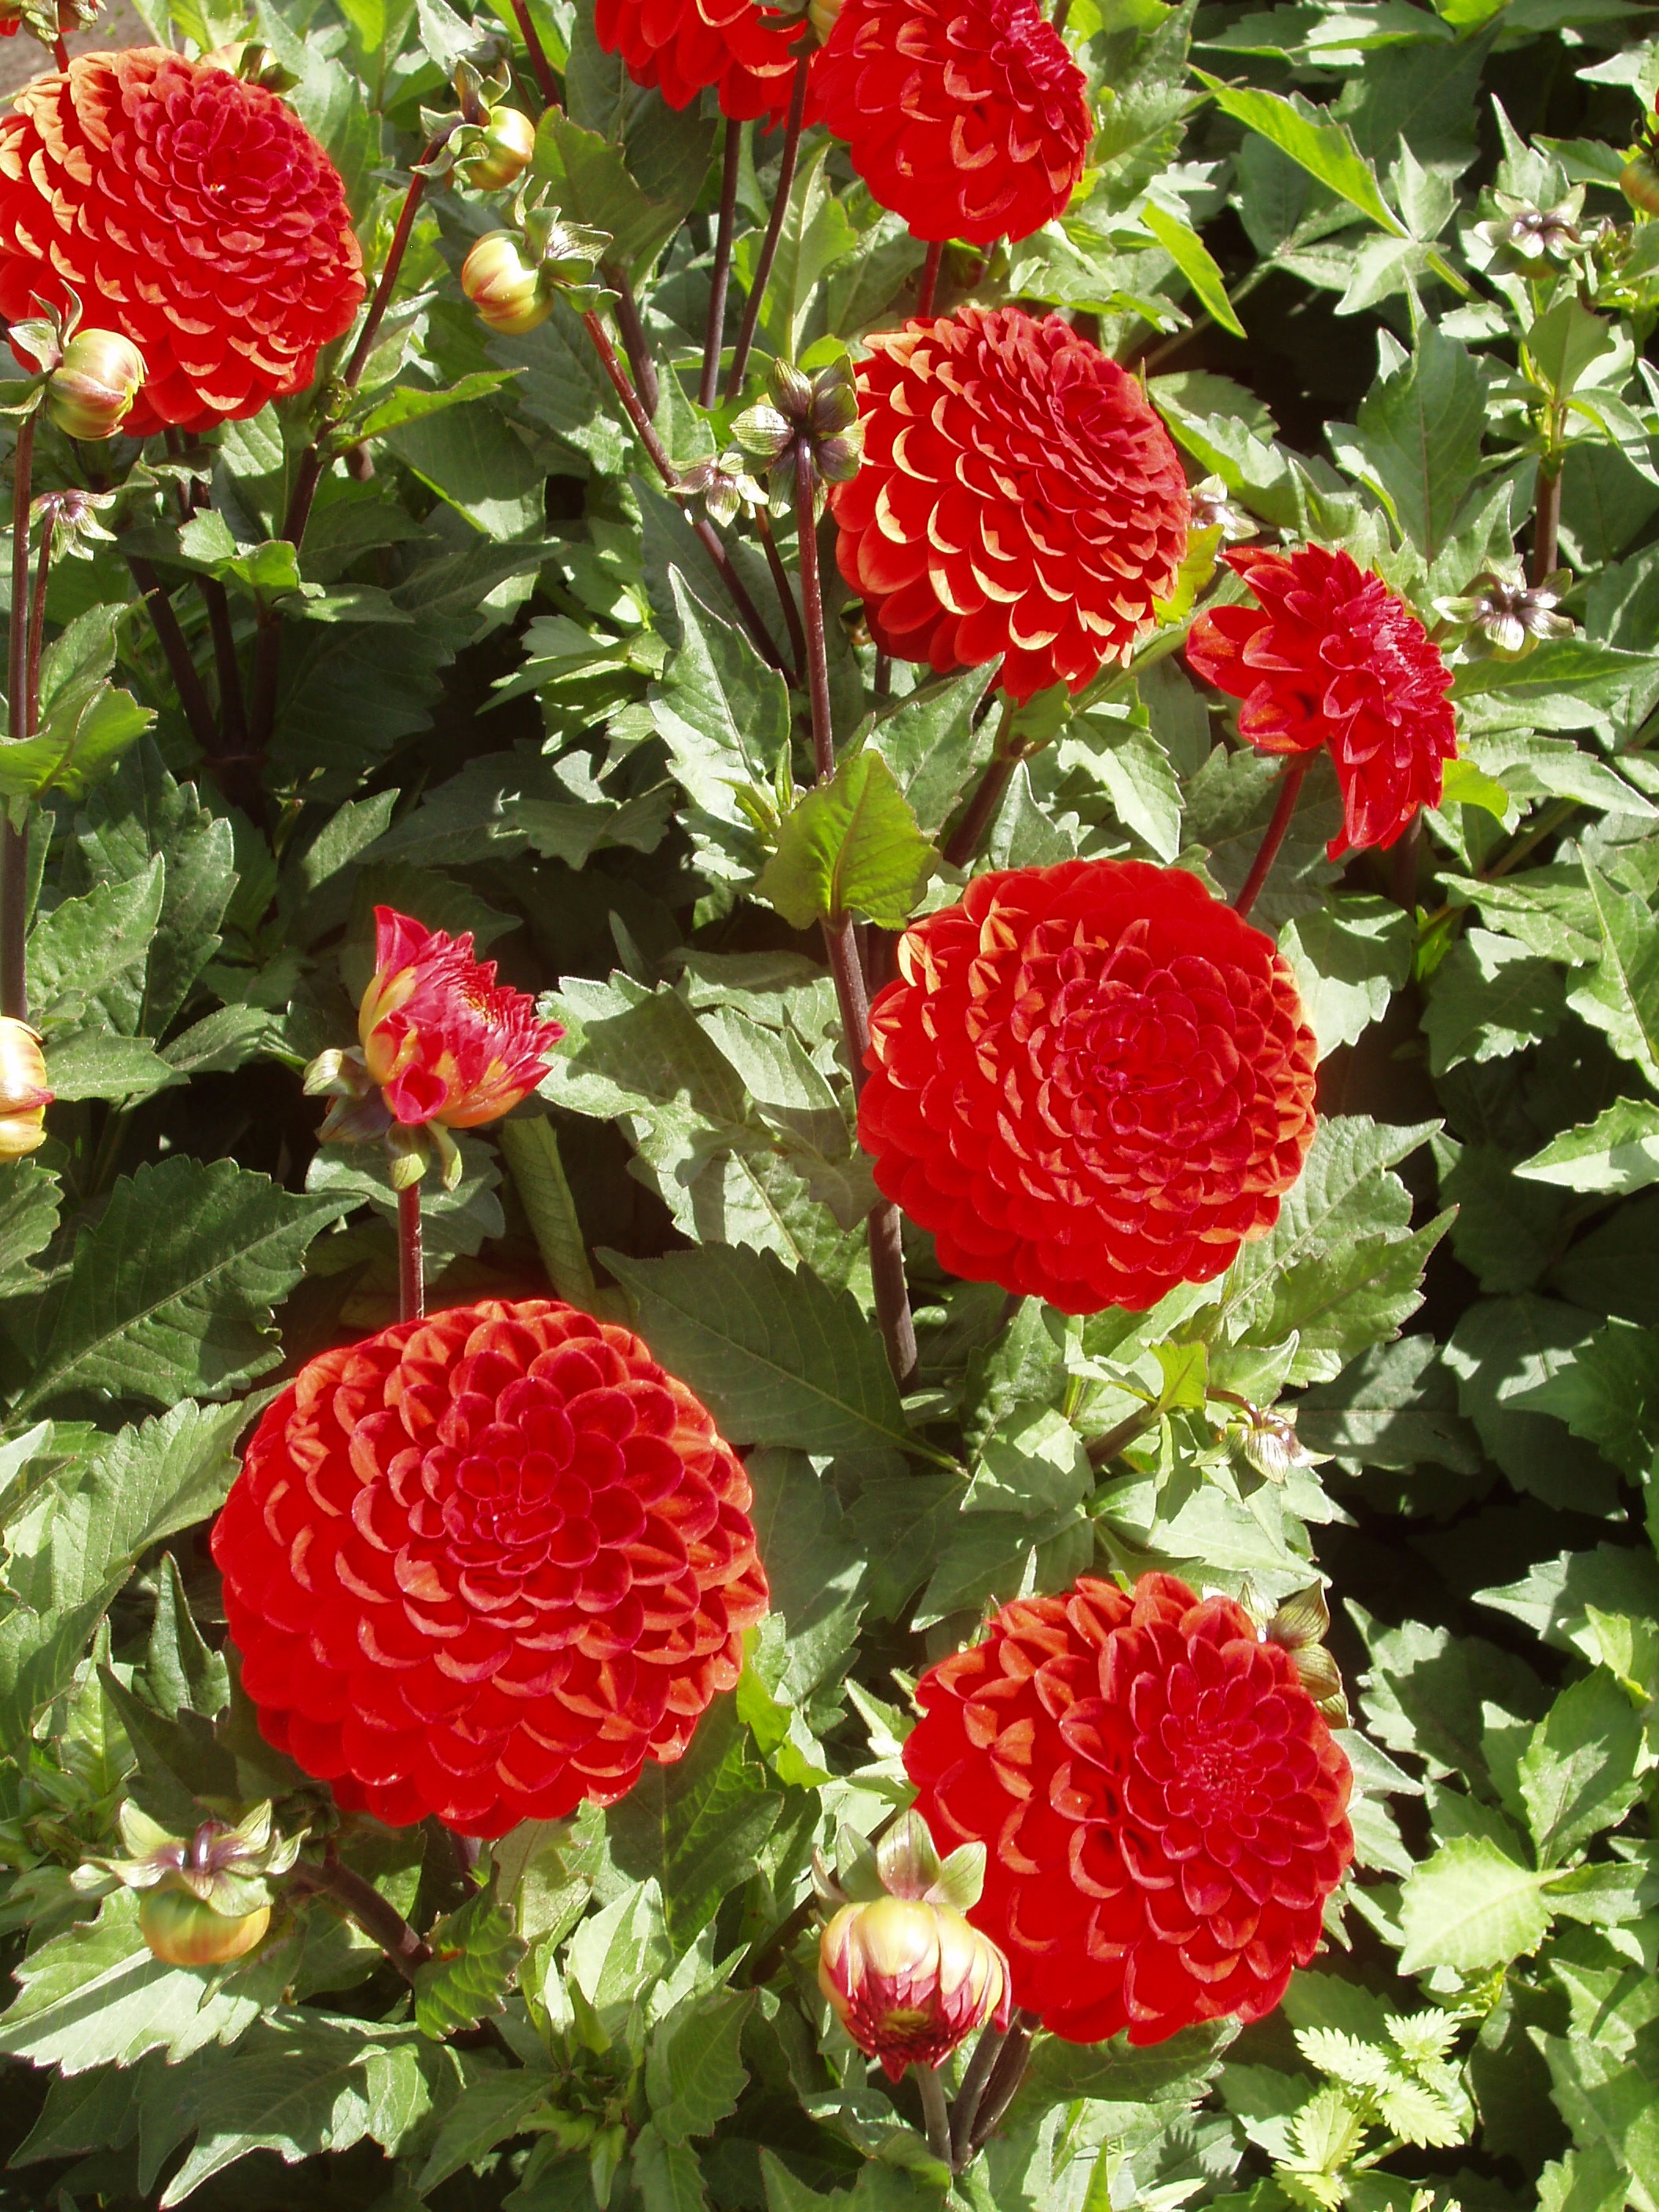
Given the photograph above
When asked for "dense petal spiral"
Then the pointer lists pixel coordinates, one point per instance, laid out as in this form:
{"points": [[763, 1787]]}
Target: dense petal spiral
{"points": [[485, 1565], [188, 210], [1090, 1082], [1018, 497], [747, 52], [1164, 1809], [968, 118], [1333, 657]]}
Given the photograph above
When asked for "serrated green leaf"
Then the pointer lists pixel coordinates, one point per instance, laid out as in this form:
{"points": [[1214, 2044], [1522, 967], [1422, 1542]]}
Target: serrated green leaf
{"points": [[29, 1199], [1490, 996], [725, 718], [85, 943], [694, 2073], [1608, 1392], [1620, 996], [1577, 1773], [1324, 148], [697, 1827], [477, 1954], [850, 846], [409, 402], [1616, 1153], [494, 2107], [1418, 435], [1471, 1907], [171, 1290], [933, 743]]}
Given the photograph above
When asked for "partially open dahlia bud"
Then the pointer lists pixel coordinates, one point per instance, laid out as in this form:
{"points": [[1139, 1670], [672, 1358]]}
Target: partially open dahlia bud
{"points": [[196, 210], [1090, 1082], [24, 1096], [90, 393], [206, 1897], [1017, 498], [909, 1981], [486, 1565], [968, 118], [1163, 1805], [505, 285], [506, 141]]}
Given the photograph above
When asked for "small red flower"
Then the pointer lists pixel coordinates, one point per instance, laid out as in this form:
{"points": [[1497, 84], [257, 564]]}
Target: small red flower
{"points": [[189, 210], [747, 52], [1163, 1808], [443, 1039], [1090, 1082], [487, 1565], [1018, 497], [968, 118], [1332, 656]]}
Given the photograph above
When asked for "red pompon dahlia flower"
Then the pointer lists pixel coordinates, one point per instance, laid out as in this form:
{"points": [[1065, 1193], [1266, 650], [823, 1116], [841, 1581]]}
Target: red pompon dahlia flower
{"points": [[442, 1039], [1332, 656], [1018, 497], [968, 118], [1163, 1808], [1090, 1082], [193, 213], [745, 51], [486, 1564]]}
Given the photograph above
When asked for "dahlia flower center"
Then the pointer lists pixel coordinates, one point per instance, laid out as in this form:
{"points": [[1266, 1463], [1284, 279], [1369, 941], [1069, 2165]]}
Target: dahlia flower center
{"points": [[1157, 1058], [1216, 1773]]}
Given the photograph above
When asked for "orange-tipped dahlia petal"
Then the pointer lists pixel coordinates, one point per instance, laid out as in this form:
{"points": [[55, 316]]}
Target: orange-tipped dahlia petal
{"points": [[968, 118], [1333, 657], [1090, 1082], [194, 213], [445, 1042], [678, 47], [444, 1561], [1018, 497], [1163, 1806]]}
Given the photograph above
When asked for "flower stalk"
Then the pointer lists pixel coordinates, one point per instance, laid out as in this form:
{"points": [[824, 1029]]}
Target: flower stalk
{"points": [[768, 253], [411, 1263], [721, 274], [540, 65], [1267, 851], [15, 837]]}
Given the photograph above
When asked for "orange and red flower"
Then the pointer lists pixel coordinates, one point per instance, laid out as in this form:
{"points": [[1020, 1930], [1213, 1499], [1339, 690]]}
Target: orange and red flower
{"points": [[486, 1565], [1332, 657], [1163, 1808], [1090, 1082], [679, 46], [968, 118], [441, 1038], [1018, 497], [197, 215]]}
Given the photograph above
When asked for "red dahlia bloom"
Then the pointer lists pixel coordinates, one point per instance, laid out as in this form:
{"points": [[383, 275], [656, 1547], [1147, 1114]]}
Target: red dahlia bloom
{"points": [[486, 1564], [1017, 497], [968, 118], [1090, 1082], [1333, 657], [444, 1041], [748, 53], [1164, 1808], [194, 212]]}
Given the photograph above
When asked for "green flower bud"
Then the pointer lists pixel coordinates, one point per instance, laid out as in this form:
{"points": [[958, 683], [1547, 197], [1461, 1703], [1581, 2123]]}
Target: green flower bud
{"points": [[505, 287], [91, 390], [505, 143]]}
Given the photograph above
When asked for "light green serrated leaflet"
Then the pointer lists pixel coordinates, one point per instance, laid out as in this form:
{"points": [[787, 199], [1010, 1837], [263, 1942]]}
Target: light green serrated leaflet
{"points": [[850, 846], [1471, 1907]]}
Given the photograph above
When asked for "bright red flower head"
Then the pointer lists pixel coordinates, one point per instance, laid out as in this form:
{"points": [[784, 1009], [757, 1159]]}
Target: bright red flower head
{"points": [[968, 118], [1091, 1082], [1332, 656], [1018, 497], [748, 53], [485, 1565], [1163, 1808], [189, 210], [443, 1039]]}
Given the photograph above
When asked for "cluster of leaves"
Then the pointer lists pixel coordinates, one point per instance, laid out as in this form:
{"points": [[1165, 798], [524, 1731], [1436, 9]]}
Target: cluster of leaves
{"points": [[512, 702]]}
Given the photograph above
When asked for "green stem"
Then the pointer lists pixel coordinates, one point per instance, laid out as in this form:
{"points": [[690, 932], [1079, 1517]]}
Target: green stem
{"points": [[15, 837], [935, 2112], [411, 1267]]}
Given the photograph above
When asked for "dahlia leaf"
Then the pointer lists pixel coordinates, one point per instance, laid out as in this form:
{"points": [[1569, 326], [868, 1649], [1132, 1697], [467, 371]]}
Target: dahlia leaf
{"points": [[851, 846], [406, 403], [698, 1828], [693, 2075], [1578, 1773], [477, 1953], [492, 2108], [1471, 1907], [94, 1063], [1394, 1407], [589, 180], [171, 1290], [1620, 996], [1196, 263], [1616, 1153], [1502, 1351], [1348, 958], [1324, 148], [725, 718], [29, 1199], [778, 1358], [1123, 2083], [815, 234], [933, 742], [1507, 1232], [667, 2174], [1490, 996], [87, 943], [814, 1568], [1418, 437], [1608, 1392]]}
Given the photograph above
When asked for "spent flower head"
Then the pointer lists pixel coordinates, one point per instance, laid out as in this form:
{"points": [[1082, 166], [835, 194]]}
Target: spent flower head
{"points": [[1213, 508], [73, 515], [724, 484], [1504, 616], [228, 1868], [1522, 233], [819, 408]]}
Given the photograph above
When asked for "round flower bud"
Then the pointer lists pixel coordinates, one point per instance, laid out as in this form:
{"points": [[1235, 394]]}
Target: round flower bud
{"points": [[909, 1980], [505, 288], [196, 211], [1019, 498], [507, 141], [1638, 180], [181, 1932], [1163, 1808], [486, 1565], [91, 391], [24, 1096], [1331, 656], [1090, 1082]]}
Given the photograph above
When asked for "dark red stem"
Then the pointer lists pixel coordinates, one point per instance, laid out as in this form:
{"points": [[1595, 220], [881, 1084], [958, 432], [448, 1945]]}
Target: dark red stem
{"points": [[929, 279], [963, 840], [411, 1267], [359, 1901], [193, 700], [1289, 786], [719, 277], [786, 592], [751, 305], [1546, 520], [38, 617], [1006, 2077], [635, 344], [60, 52], [538, 53]]}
